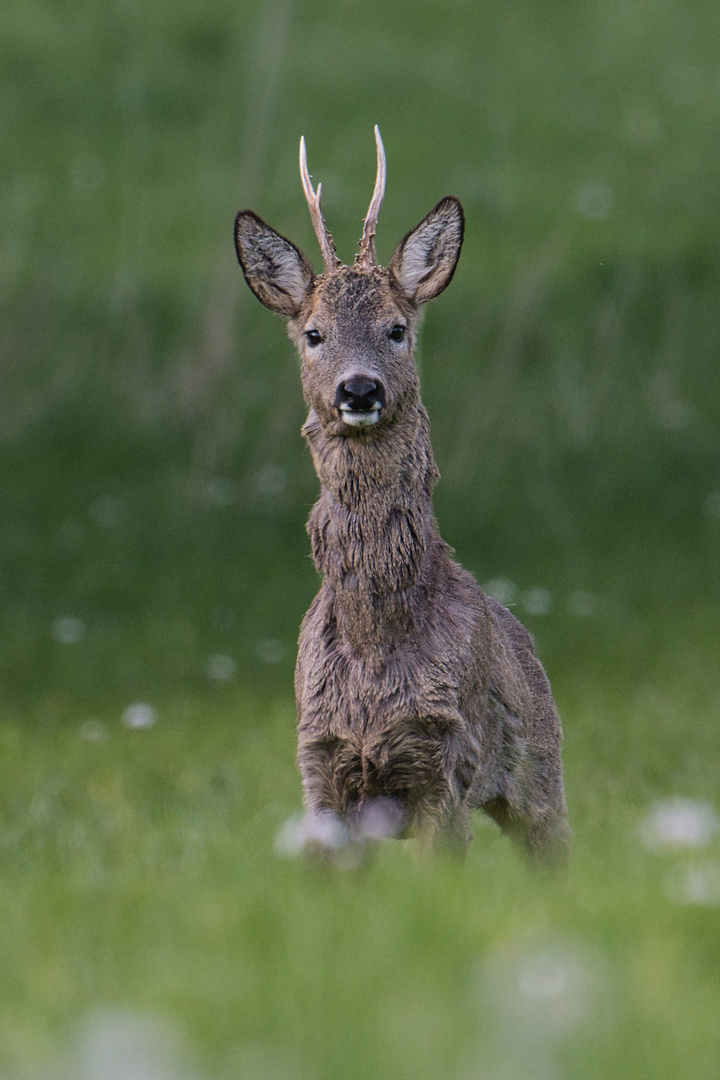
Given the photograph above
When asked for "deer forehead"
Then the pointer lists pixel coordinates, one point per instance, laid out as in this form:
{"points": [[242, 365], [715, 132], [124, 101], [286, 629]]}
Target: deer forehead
{"points": [[353, 298]]}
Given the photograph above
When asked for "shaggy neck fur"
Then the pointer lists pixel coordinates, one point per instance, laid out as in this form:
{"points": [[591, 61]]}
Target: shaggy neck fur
{"points": [[373, 533]]}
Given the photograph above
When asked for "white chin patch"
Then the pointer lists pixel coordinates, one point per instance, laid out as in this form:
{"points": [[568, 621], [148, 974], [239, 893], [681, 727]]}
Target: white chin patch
{"points": [[359, 419]]}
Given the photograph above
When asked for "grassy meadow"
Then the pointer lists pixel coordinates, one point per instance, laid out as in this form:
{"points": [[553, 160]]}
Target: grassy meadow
{"points": [[155, 569]]}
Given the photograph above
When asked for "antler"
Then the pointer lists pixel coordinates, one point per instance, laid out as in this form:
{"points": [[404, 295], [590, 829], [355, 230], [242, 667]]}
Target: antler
{"points": [[325, 240], [366, 256]]}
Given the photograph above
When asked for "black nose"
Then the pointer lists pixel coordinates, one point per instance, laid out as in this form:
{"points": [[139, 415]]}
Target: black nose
{"points": [[359, 395]]}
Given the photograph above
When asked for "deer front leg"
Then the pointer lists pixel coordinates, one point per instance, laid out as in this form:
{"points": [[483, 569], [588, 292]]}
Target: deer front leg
{"points": [[331, 771], [544, 834], [450, 836]]}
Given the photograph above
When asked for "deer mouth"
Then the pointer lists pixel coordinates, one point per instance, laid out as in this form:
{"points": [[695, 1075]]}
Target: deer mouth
{"points": [[359, 418]]}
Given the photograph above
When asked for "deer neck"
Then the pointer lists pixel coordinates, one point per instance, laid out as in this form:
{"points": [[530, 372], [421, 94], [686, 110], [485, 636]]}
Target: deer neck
{"points": [[372, 529]]}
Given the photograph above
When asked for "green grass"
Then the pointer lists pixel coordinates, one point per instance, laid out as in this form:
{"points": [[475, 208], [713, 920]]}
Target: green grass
{"points": [[138, 873], [154, 489]]}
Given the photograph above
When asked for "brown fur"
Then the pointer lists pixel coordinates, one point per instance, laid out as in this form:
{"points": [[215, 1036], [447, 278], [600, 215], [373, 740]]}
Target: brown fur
{"points": [[411, 684]]}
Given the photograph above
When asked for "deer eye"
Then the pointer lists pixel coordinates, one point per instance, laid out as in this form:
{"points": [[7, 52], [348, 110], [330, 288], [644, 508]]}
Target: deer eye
{"points": [[397, 333], [313, 338]]}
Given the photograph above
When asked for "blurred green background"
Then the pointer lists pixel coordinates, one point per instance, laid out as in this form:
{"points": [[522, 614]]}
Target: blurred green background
{"points": [[155, 567]]}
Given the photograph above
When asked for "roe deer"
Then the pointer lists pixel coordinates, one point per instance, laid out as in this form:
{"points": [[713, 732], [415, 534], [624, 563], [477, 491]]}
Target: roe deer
{"points": [[413, 687]]}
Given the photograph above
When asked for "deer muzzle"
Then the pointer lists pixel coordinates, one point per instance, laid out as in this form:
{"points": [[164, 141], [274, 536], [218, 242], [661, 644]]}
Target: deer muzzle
{"points": [[359, 400]]}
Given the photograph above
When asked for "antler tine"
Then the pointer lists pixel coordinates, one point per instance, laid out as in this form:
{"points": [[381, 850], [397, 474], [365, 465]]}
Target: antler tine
{"points": [[366, 256], [325, 240]]}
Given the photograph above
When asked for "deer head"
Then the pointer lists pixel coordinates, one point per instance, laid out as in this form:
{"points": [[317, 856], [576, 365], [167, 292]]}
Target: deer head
{"points": [[354, 326]]}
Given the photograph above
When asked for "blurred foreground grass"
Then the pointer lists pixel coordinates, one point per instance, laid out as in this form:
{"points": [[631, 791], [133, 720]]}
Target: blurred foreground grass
{"points": [[145, 917], [154, 564]]}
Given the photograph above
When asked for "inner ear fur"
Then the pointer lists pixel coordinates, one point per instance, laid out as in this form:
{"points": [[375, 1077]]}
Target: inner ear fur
{"points": [[424, 261], [276, 271]]}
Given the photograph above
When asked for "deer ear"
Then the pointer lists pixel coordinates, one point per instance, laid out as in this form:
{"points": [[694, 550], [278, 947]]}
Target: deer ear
{"points": [[278, 274], [424, 262]]}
